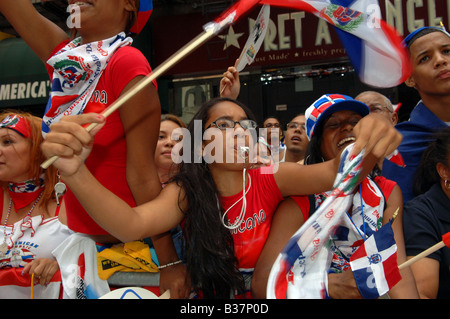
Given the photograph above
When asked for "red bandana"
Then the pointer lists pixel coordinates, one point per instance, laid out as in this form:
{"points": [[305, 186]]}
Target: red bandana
{"points": [[22, 200], [18, 124], [23, 194]]}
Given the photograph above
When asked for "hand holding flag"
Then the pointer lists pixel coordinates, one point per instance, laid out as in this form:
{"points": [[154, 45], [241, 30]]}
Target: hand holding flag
{"points": [[210, 29], [301, 270], [251, 47]]}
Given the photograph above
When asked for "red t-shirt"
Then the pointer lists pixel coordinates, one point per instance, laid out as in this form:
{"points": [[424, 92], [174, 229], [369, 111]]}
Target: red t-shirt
{"points": [[303, 203], [263, 198], [107, 161]]}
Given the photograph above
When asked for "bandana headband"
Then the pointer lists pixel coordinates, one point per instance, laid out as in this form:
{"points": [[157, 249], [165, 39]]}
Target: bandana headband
{"points": [[17, 123], [145, 10]]}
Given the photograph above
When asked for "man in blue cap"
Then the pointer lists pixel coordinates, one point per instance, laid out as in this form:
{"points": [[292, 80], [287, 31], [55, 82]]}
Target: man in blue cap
{"points": [[429, 48]]}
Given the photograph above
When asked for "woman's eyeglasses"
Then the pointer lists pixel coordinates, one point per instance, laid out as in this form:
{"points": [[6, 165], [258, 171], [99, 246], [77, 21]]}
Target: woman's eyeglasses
{"points": [[228, 123]]}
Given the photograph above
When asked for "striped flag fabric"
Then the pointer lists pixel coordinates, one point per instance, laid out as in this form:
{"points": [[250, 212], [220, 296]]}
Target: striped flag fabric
{"points": [[14, 285], [374, 264], [301, 270], [373, 46], [230, 15], [145, 10], [396, 158]]}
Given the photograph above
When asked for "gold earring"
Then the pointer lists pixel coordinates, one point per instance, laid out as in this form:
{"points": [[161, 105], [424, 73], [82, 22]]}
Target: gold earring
{"points": [[447, 184]]}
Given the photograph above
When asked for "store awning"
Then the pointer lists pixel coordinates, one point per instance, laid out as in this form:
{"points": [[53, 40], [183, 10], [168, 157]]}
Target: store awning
{"points": [[23, 77]]}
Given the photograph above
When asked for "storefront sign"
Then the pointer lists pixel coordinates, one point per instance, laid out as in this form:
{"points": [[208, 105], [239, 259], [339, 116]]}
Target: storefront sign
{"points": [[24, 93], [294, 37]]}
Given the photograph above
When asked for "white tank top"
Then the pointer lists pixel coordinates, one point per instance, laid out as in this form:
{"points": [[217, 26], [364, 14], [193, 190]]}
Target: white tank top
{"points": [[32, 238]]}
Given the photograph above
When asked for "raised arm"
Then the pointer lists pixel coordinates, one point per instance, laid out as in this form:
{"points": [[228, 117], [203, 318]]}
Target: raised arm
{"points": [[117, 217], [141, 117], [373, 133], [69, 140], [41, 34], [230, 85]]}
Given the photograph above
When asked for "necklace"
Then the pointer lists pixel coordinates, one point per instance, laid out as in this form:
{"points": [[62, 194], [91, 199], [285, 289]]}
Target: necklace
{"points": [[4, 246], [241, 216]]}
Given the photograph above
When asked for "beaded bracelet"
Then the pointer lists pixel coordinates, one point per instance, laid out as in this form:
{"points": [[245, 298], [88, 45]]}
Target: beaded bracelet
{"points": [[170, 264]]}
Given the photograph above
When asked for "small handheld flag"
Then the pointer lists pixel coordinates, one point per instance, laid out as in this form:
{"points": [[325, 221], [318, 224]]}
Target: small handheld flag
{"points": [[301, 269], [374, 264], [446, 239], [255, 38]]}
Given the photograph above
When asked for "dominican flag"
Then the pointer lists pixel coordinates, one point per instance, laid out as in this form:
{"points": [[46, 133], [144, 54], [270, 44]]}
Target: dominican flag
{"points": [[301, 269], [145, 10], [374, 264], [374, 47]]}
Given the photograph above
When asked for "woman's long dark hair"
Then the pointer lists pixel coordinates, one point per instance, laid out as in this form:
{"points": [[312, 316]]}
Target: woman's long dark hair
{"points": [[209, 251], [437, 152], [313, 153]]}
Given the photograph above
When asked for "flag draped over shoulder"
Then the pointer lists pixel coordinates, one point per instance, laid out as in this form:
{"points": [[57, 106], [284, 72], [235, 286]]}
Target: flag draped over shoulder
{"points": [[374, 47], [301, 270]]}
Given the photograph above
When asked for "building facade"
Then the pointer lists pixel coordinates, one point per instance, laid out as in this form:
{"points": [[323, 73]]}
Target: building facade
{"points": [[301, 57]]}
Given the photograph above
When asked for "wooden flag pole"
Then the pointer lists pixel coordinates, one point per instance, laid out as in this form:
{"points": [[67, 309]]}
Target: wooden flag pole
{"points": [[445, 242], [423, 254], [171, 61]]}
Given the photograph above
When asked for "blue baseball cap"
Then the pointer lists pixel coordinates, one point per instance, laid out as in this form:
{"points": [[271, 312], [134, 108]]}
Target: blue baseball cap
{"points": [[328, 104], [410, 38]]}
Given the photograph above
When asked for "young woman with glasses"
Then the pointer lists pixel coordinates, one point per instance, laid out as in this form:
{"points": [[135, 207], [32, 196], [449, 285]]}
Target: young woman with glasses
{"points": [[225, 209]]}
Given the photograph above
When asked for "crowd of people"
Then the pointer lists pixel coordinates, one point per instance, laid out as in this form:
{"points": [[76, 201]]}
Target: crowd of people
{"points": [[218, 226]]}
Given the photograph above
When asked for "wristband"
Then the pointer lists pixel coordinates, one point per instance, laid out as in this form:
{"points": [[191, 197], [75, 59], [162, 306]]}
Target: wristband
{"points": [[170, 264]]}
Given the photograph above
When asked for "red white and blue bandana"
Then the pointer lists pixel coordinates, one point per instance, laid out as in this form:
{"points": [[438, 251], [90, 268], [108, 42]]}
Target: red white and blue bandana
{"points": [[18, 124], [77, 70]]}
